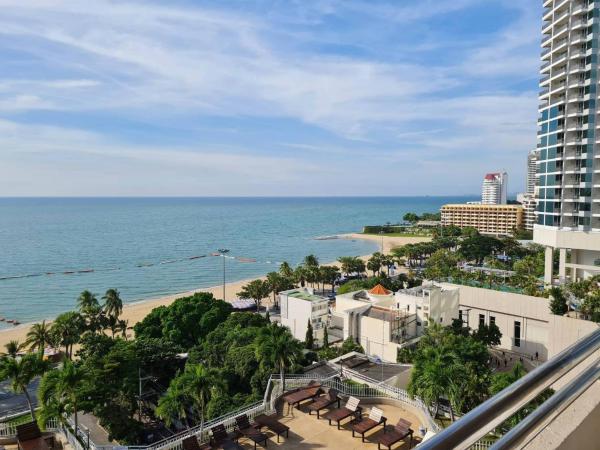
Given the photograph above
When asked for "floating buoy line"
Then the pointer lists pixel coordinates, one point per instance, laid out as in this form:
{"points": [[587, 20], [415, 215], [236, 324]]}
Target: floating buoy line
{"points": [[139, 265]]}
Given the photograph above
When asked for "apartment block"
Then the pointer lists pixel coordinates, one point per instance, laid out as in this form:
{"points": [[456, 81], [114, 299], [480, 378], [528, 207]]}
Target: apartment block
{"points": [[568, 168], [498, 220]]}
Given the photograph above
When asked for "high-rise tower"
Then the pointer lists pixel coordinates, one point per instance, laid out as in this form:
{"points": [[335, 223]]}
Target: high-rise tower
{"points": [[568, 204], [493, 191]]}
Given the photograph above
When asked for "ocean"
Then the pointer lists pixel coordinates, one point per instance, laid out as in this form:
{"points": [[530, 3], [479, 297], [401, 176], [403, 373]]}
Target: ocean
{"points": [[51, 249]]}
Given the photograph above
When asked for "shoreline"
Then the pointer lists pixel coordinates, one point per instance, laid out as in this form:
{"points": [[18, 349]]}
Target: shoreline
{"points": [[135, 311]]}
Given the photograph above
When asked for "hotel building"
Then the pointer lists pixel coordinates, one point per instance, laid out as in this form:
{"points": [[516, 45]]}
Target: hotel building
{"points": [[568, 168], [498, 220], [494, 188]]}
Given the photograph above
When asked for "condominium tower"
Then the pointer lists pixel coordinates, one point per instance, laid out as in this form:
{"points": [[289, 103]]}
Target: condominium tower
{"points": [[532, 159], [568, 174], [493, 191]]}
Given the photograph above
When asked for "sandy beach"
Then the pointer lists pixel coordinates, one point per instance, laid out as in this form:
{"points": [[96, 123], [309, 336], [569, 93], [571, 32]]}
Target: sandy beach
{"points": [[135, 312]]}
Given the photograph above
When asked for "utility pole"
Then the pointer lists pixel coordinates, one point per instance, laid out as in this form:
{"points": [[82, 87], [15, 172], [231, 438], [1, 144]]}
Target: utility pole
{"points": [[223, 252]]}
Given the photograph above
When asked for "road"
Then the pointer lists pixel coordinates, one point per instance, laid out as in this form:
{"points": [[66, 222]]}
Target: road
{"points": [[10, 401]]}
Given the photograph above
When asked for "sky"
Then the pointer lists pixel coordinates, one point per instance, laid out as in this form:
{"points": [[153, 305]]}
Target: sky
{"points": [[265, 97]]}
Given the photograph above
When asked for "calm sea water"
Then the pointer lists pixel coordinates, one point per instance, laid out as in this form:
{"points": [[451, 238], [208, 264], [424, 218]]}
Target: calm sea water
{"points": [[143, 246]]}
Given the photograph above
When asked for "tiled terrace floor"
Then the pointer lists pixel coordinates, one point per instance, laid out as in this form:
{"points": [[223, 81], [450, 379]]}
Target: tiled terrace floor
{"points": [[306, 432]]}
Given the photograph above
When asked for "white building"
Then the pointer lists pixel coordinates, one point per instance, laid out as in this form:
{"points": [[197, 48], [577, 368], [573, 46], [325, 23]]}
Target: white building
{"points": [[530, 182], [382, 322], [494, 189], [298, 306], [529, 206], [568, 210]]}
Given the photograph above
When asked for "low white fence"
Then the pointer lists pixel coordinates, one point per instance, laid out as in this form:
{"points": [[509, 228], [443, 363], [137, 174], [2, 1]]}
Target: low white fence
{"points": [[9, 430]]}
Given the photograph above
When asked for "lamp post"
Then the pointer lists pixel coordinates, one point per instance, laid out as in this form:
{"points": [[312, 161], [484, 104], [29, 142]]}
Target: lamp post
{"points": [[223, 252]]}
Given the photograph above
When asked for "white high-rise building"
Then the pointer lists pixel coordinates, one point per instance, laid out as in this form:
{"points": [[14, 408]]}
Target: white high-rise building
{"points": [[532, 159], [494, 189], [568, 170]]}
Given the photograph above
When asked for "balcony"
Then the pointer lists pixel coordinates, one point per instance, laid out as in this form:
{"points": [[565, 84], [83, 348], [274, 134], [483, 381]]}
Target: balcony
{"points": [[561, 416]]}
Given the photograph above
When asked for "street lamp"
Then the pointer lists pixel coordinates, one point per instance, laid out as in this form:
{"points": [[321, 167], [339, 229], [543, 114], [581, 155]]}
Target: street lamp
{"points": [[223, 252]]}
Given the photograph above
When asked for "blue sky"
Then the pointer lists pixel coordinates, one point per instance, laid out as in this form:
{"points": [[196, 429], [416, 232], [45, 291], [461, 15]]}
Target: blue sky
{"points": [[265, 97]]}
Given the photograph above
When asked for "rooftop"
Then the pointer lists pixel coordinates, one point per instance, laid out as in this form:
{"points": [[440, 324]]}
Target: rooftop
{"points": [[304, 295], [308, 432], [379, 290]]}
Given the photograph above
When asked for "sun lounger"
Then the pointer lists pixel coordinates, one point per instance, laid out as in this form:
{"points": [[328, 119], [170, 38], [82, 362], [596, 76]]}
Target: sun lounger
{"points": [[191, 443], [29, 437], [272, 424], [309, 392], [375, 419], [400, 431], [250, 431], [350, 409], [324, 401], [221, 439]]}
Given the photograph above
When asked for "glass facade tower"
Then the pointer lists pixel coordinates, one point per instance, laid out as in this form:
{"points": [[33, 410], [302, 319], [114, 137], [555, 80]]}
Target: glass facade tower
{"points": [[568, 165]]}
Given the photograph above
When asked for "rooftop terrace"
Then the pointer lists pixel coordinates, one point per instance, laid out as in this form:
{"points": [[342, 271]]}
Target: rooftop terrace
{"points": [[305, 296]]}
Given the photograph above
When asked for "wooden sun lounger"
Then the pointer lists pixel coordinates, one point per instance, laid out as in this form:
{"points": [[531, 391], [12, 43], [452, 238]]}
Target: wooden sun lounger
{"points": [[303, 394], [351, 408], [375, 419], [250, 431], [400, 431], [221, 439], [324, 401], [29, 437], [272, 424], [191, 443]]}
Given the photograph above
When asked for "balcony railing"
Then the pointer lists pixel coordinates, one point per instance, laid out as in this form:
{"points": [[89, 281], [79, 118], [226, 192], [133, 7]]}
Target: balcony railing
{"points": [[480, 421]]}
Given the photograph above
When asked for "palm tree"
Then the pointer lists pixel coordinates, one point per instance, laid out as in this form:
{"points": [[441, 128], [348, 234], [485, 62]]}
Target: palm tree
{"points": [[278, 283], [38, 336], [256, 290], [329, 274], [66, 330], [13, 348], [193, 389], [311, 261], [277, 348], [58, 393], [21, 373], [113, 305], [285, 270], [86, 302]]}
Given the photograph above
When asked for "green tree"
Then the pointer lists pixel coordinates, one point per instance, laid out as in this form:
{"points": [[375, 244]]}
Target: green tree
{"points": [[286, 271], [489, 335], [58, 393], [277, 348], [113, 305], [329, 274], [476, 247], [256, 290], [374, 263], [309, 341], [193, 388], [67, 329], [278, 283], [411, 217], [558, 301], [21, 372], [350, 345], [441, 265], [325, 338], [38, 336], [87, 302], [311, 261], [12, 348]]}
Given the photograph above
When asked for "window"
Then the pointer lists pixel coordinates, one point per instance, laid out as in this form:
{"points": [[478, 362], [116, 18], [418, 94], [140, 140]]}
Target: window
{"points": [[418, 324], [492, 320], [517, 333], [460, 315], [481, 320]]}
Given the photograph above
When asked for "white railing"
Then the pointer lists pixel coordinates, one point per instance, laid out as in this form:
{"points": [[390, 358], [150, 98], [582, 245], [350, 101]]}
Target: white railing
{"points": [[484, 444], [370, 389], [9, 430]]}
